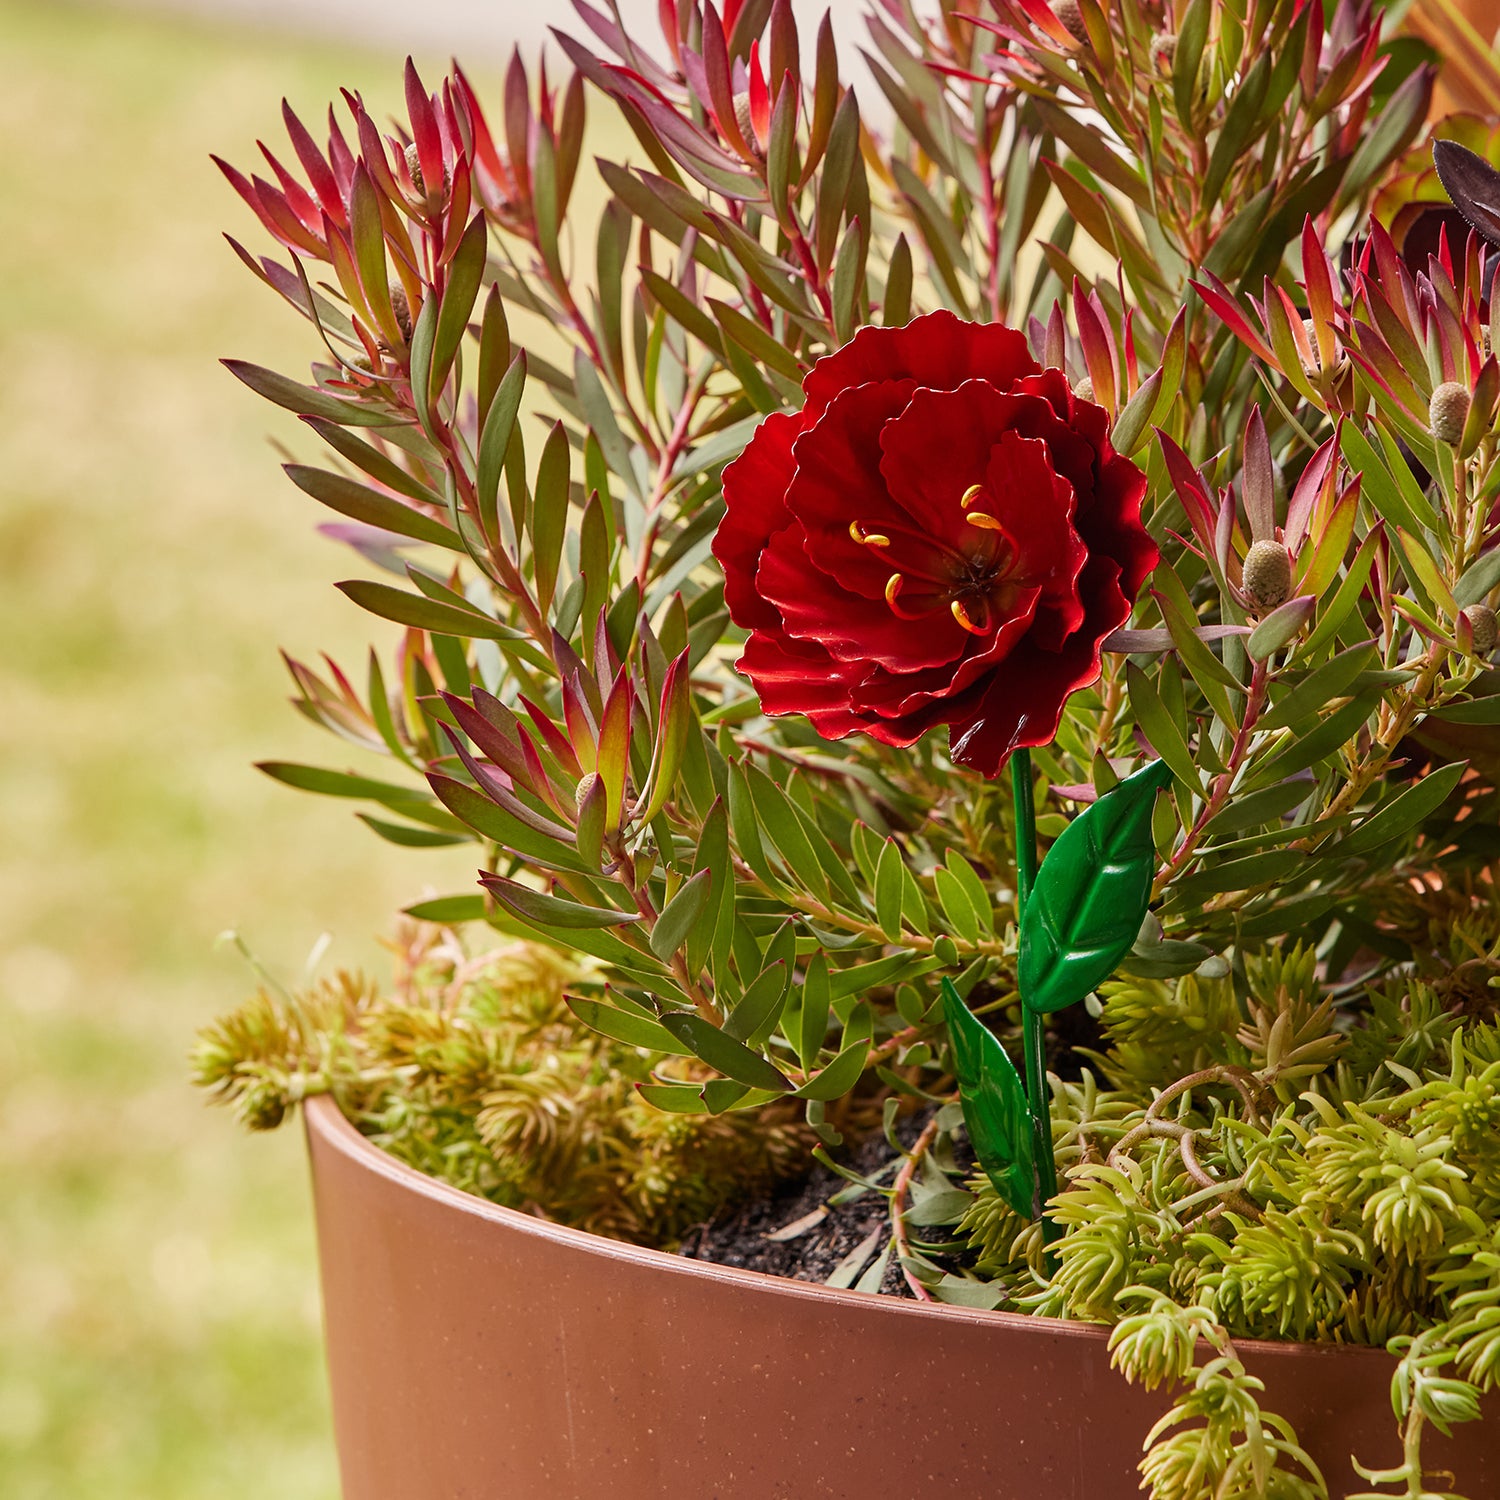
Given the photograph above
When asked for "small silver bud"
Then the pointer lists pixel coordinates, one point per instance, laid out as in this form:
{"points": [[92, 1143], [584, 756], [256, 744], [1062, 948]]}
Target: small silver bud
{"points": [[586, 784], [1084, 389], [1448, 411], [1268, 575]]}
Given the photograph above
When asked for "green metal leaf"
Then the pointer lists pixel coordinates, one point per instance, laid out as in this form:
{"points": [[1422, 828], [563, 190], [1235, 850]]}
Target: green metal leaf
{"points": [[1091, 895], [994, 1104]]}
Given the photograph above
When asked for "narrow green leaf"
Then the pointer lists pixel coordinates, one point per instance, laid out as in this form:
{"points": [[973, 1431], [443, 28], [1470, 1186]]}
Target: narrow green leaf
{"points": [[407, 837], [978, 897], [422, 336], [1268, 805], [840, 1075], [1280, 626], [465, 272], [506, 828], [1160, 727], [1402, 813], [724, 1054], [424, 614], [549, 522], [306, 400], [960, 914], [759, 1005], [342, 784], [674, 1098], [499, 424], [448, 911], [361, 503], [812, 1028], [1479, 580], [889, 883], [621, 1026], [895, 307], [552, 912], [1319, 688], [1474, 711], [368, 458], [1308, 748], [680, 916], [779, 819], [1245, 874]]}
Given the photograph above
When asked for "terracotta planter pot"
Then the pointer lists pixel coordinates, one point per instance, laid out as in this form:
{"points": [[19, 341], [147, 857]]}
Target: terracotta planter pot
{"points": [[477, 1352]]}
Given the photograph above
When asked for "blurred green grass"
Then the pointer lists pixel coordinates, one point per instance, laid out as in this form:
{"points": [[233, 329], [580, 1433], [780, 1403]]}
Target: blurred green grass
{"points": [[158, 1310]]}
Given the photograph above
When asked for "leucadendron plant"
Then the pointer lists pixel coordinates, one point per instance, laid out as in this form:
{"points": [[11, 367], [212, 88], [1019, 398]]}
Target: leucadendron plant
{"points": [[1013, 579]]}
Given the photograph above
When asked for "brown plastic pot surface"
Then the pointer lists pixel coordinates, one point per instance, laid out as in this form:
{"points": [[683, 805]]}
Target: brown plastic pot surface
{"points": [[480, 1354]]}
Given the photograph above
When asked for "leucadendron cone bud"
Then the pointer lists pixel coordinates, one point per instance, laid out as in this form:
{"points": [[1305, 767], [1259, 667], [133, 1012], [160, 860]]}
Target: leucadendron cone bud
{"points": [[1068, 12], [1448, 411], [1084, 389], [414, 167], [746, 121], [586, 784], [1481, 620], [1268, 575], [402, 309]]}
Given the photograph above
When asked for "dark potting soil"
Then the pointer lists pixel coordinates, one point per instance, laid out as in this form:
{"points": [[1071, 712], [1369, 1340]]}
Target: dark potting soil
{"points": [[745, 1236]]}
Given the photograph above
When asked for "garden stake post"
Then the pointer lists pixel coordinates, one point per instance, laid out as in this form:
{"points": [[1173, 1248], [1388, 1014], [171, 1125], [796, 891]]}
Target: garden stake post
{"points": [[1037, 1100]]}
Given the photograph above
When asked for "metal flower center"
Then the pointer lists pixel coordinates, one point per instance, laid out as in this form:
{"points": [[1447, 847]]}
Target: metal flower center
{"points": [[974, 582]]}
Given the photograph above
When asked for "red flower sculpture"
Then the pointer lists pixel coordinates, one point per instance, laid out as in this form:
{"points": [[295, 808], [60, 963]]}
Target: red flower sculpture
{"points": [[942, 535]]}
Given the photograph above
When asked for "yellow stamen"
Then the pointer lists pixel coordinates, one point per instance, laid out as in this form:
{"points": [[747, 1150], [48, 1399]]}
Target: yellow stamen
{"points": [[892, 588], [970, 495], [984, 522], [867, 538], [962, 616]]}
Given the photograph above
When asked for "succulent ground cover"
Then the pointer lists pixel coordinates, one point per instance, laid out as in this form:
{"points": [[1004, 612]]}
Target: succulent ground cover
{"points": [[1123, 423]]}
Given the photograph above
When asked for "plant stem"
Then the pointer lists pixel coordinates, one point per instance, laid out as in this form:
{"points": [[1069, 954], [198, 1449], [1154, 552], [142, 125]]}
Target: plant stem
{"points": [[1038, 1101], [899, 1191]]}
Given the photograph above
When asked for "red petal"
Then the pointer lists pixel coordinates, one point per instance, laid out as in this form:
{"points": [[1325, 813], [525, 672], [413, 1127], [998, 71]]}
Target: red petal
{"points": [[854, 629], [938, 350], [838, 481], [1023, 704], [799, 677], [755, 487]]}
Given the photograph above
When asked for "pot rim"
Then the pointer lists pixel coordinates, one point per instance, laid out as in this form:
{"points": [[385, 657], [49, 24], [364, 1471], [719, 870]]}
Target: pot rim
{"points": [[323, 1118]]}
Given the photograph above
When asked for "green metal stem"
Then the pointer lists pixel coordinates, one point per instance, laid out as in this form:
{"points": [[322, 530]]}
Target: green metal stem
{"points": [[1038, 1099]]}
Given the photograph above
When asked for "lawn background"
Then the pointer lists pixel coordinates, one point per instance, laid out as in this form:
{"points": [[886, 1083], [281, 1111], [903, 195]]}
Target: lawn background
{"points": [[159, 1325]]}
